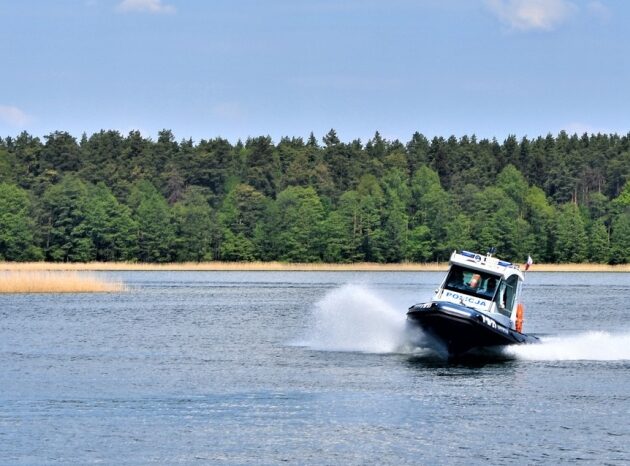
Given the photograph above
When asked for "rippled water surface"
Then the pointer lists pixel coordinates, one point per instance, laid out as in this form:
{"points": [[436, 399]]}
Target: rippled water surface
{"points": [[307, 368]]}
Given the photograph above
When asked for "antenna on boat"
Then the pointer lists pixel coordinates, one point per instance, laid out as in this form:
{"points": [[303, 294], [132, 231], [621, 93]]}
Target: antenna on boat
{"points": [[491, 251]]}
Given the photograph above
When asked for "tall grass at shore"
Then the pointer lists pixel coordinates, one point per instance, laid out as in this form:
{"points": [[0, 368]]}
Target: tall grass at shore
{"points": [[221, 266], [41, 281], [284, 266]]}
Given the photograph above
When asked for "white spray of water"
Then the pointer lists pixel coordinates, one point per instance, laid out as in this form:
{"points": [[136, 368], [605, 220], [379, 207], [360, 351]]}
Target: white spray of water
{"points": [[354, 318], [590, 346]]}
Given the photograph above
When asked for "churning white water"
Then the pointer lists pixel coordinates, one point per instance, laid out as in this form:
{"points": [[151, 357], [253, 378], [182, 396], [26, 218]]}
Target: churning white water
{"points": [[589, 346], [355, 318]]}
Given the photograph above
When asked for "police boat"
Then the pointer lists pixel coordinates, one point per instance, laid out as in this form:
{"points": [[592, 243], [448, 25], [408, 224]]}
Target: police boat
{"points": [[476, 307]]}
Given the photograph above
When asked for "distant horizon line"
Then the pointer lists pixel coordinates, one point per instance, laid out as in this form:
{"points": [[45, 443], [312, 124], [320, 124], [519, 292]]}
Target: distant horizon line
{"points": [[243, 139]]}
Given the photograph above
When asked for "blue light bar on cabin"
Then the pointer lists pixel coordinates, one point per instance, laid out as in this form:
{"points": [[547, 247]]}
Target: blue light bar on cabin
{"points": [[472, 255]]}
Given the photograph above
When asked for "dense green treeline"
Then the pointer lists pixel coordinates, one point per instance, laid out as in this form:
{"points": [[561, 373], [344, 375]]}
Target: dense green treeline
{"points": [[111, 197]]}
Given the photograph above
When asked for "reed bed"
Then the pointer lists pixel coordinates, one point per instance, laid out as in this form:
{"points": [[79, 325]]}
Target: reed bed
{"points": [[42, 281], [579, 268], [283, 266], [221, 266]]}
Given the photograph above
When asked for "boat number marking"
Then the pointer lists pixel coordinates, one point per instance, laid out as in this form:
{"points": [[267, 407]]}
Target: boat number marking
{"points": [[466, 299], [489, 322]]}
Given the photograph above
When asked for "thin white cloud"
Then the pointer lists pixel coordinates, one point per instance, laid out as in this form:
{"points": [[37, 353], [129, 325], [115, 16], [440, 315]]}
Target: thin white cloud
{"points": [[145, 6], [599, 10], [13, 116], [524, 15], [229, 111]]}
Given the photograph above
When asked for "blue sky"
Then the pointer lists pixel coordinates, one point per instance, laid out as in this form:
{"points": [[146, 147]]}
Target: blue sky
{"points": [[239, 68]]}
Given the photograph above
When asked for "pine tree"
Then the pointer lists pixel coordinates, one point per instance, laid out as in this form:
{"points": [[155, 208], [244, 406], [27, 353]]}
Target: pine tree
{"points": [[16, 225]]}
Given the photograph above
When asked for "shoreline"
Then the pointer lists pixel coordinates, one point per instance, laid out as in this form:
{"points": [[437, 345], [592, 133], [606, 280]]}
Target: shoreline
{"points": [[282, 267]]}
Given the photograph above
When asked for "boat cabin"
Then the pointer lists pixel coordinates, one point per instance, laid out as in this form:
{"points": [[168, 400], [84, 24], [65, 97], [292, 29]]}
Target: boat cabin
{"points": [[484, 283]]}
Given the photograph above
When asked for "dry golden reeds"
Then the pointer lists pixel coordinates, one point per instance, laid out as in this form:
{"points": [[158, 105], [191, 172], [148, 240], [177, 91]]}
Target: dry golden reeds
{"points": [[222, 266], [31, 281], [580, 268], [284, 266]]}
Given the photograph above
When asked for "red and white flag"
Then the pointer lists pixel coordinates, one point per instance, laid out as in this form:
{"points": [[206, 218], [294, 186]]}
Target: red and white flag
{"points": [[528, 263]]}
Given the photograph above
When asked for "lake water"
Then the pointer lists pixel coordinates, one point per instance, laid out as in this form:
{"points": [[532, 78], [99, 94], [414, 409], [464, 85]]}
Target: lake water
{"points": [[307, 368]]}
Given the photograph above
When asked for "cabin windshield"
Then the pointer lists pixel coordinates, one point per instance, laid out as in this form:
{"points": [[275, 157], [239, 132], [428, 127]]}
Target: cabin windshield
{"points": [[472, 282], [508, 290]]}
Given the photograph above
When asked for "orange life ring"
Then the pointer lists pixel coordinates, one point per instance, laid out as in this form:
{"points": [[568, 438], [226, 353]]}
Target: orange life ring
{"points": [[519, 317]]}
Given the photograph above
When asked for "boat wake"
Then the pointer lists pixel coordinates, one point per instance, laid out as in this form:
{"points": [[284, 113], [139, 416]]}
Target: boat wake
{"points": [[589, 346]]}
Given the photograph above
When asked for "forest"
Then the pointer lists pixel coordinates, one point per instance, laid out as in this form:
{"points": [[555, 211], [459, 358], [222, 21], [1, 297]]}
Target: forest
{"points": [[111, 197]]}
